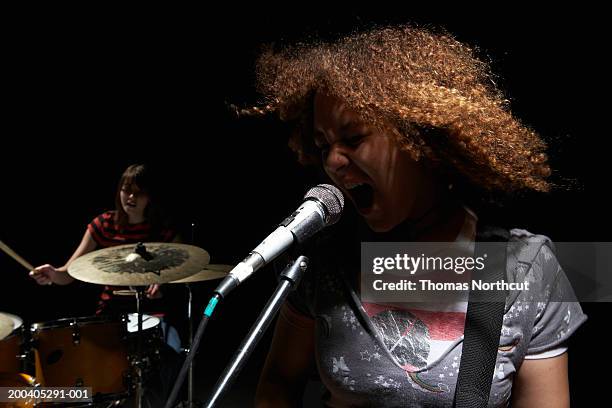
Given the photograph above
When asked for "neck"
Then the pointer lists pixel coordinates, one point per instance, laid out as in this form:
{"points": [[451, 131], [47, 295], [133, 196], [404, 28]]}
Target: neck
{"points": [[135, 218], [441, 222]]}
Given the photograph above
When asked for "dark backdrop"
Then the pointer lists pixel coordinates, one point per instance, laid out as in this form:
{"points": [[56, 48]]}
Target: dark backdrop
{"points": [[87, 94]]}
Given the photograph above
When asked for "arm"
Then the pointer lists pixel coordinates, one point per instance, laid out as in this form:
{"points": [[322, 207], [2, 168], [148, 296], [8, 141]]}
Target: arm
{"points": [[47, 274], [542, 383], [289, 362]]}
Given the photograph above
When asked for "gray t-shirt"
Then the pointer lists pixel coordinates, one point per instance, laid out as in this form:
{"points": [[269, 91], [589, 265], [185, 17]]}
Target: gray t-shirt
{"points": [[381, 356]]}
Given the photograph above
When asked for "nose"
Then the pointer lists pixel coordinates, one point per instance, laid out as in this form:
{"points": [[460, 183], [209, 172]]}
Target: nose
{"points": [[336, 160]]}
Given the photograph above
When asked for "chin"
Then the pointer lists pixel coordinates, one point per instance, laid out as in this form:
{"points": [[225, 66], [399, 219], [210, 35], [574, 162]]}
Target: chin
{"points": [[380, 225]]}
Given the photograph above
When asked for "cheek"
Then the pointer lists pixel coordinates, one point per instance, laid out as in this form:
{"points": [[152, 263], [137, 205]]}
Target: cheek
{"points": [[328, 171], [330, 174], [403, 181]]}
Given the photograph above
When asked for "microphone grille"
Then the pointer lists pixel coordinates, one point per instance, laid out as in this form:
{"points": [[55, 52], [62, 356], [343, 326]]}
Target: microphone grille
{"points": [[331, 198]]}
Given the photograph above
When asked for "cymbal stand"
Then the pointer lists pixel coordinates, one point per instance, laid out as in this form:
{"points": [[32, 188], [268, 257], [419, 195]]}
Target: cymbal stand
{"points": [[190, 374], [190, 320], [189, 403], [139, 360]]}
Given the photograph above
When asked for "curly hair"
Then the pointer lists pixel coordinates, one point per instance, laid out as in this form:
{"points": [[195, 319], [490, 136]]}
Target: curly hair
{"points": [[429, 89]]}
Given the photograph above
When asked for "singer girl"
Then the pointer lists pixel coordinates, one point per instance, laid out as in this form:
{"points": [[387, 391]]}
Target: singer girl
{"points": [[409, 124]]}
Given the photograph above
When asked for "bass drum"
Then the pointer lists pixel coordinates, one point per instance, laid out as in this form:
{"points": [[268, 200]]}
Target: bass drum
{"points": [[82, 352]]}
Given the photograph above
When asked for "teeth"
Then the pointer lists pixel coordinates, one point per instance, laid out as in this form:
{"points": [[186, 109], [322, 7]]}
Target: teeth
{"points": [[351, 186]]}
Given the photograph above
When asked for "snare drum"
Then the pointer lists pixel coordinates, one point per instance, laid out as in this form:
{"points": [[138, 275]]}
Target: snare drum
{"points": [[11, 348], [148, 322], [152, 337], [83, 352]]}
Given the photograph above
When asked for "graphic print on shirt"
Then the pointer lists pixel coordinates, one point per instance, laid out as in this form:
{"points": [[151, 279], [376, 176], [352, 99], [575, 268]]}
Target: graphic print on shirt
{"points": [[406, 337], [341, 371], [417, 338]]}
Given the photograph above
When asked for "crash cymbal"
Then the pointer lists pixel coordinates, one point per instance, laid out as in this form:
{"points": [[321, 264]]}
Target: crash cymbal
{"points": [[139, 264], [211, 272], [6, 325]]}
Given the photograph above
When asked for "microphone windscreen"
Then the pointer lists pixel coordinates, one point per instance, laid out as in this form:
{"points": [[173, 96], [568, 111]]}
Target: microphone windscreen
{"points": [[331, 198]]}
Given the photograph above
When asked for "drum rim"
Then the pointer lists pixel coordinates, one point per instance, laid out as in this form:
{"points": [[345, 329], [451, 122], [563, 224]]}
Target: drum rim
{"points": [[68, 321], [144, 315]]}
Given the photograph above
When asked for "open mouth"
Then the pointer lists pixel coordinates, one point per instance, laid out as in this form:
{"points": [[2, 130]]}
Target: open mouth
{"points": [[362, 195]]}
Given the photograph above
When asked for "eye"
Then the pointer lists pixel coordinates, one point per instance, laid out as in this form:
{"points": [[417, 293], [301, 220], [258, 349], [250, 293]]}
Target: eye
{"points": [[354, 140], [322, 146]]}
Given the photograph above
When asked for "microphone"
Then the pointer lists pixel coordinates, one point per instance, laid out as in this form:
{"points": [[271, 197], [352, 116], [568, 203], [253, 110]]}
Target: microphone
{"points": [[322, 206]]}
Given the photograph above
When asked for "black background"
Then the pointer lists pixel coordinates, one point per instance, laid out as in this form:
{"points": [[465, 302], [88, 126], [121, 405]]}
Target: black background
{"points": [[85, 93]]}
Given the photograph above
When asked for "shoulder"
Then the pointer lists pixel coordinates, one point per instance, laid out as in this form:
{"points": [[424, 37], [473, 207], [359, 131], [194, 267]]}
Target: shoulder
{"points": [[548, 311], [534, 254], [530, 240], [103, 221], [102, 225], [531, 264], [107, 216], [533, 261]]}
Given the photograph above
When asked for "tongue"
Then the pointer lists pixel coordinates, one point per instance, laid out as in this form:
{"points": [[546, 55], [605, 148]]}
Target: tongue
{"points": [[363, 196]]}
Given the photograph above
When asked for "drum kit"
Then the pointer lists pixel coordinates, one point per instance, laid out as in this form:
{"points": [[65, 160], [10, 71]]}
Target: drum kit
{"points": [[112, 356]]}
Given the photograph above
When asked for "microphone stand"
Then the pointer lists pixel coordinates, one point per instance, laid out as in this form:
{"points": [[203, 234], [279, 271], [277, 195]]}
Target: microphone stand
{"points": [[289, 279]]}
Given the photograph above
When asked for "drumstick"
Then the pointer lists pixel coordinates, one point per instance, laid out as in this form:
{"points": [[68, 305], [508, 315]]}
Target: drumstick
{"points": [[16, 257]]}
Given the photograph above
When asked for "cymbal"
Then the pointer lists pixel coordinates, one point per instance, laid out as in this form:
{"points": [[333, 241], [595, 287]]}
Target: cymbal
{"points": [[211, 272], [6, 325], [131, 265]]}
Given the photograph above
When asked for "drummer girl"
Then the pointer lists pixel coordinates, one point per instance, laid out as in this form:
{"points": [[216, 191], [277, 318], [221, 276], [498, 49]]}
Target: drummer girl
{"points": [[138, 217]]}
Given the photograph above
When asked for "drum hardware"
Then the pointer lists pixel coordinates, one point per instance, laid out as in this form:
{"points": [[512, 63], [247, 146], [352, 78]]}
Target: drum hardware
{"points": [[76, 335], [136, 266], [190, 342], [140, 362], [141, 250]]}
